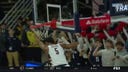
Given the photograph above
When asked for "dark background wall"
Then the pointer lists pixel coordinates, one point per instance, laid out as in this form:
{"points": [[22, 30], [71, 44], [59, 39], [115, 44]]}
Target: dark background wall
{"points": [[1, 13]]}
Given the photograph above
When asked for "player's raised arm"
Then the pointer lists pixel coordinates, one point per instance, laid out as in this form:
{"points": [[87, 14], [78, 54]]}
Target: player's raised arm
{"points": [[38, 37], [125, 32], [54, 35], [72, 45], [108, 36], [96, 51]]}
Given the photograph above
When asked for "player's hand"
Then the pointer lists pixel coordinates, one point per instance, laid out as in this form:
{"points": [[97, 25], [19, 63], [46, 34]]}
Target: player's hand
{"points": [[99, 45], [77, 34]]}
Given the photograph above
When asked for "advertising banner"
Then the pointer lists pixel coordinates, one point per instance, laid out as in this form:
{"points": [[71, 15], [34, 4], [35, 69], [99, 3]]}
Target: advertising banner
{"points": [[118, 7], [105, 19]]}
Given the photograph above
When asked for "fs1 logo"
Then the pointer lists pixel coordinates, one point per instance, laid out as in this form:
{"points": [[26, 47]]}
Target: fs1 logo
{"points": [[116, 68]]}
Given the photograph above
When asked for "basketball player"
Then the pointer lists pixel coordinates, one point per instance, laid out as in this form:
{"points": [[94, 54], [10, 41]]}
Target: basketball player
{"points": [[55, 51]]}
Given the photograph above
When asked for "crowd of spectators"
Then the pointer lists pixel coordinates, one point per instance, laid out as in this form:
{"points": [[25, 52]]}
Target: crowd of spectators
{"points": [[19, 45]]}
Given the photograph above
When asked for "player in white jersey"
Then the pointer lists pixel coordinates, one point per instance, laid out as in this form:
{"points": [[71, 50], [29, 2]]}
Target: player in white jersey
{"points": [[55, 51], [57, 56]]}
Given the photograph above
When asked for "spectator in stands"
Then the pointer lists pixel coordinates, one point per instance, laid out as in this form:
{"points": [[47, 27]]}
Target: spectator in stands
{"points": [[68, 54], [4, 34], [32, 51], [2, 48], [95, 61], [126, 45], [25, 23], [4, 30], [23, 28], [75, 59], [78, 53], [24, 38], [107, 54], [84, 53], [19, 29], [82, 48], [13, 45], [120, 57]]}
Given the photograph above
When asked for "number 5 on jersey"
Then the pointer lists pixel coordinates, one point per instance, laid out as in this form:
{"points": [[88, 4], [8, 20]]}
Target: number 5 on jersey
{"points": [[57, 52]]}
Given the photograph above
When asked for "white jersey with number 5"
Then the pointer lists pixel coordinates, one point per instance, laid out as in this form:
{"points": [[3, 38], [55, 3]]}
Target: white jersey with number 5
{"points": [[57, 55]]}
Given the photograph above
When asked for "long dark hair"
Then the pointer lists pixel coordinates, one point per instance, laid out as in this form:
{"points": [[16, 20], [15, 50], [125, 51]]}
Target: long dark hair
{"points": [[49, 40]]}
